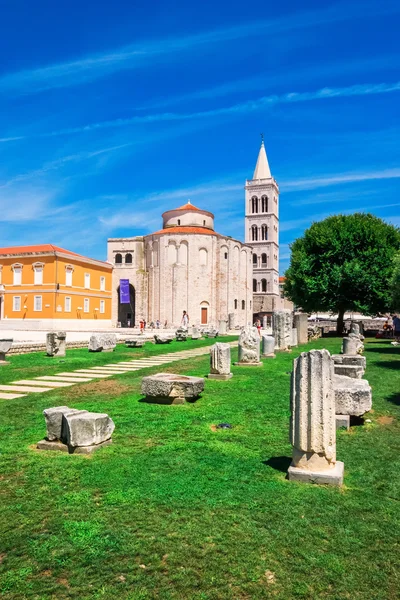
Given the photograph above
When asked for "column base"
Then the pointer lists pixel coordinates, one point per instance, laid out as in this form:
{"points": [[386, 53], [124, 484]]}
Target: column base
{"points": [[268, 355], [332, 476], [246, 364], [220, 377], [60, 447]]}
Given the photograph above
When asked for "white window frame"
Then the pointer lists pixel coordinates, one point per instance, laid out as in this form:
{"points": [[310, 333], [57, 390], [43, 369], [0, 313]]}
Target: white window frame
{"points": [[102, 307], [87, 281], [67, 304], [38, 273], [68, 275], [102, 283], [1, 274], [17, 269], [86, 305], [14, 303], [36, 298]]}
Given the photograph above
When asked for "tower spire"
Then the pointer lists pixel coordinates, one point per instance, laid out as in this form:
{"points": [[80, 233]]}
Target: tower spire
{"points": [[262, 170]]}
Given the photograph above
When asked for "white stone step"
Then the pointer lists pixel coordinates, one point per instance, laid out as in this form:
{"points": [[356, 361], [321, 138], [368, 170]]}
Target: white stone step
{"points": [[65, 379], [22, 388], [11, 396], [51, 384], [78, 374]]}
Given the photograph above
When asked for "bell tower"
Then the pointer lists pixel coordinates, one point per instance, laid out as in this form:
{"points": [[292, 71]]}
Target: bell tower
{"points": [[262, 233]]}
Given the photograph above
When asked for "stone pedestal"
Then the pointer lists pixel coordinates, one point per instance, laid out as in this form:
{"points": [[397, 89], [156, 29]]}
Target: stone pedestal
{"points": [[222, 327], [5, 345], [135, 342], [249, 347], [231, 321], [220, 362], [301, 324], [294, 338], [353, 371], [352, 396], [181, 335], [168, 388], [350, 359], [268, 346], [282, 329], [102, 342], [56, 343], [264, 322], [313, 421]]}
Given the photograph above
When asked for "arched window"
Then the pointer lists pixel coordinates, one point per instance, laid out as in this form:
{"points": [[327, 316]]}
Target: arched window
{"points": [[263, 285], [254, 285], [264, 204], [254, 204], [255, 259], [118, 259], [254, 233], [264, 232], [263, 259], [235, 304], [128, 258], [243, 304]]}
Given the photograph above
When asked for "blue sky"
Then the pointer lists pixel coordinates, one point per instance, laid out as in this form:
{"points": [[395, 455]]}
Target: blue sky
{"points": [[111, 113]]}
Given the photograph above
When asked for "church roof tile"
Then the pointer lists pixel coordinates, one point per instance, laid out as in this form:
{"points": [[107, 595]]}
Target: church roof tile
{"points": [[188, 229]]}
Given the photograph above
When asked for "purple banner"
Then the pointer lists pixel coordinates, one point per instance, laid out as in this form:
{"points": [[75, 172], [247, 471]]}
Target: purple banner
{"points": [[124, 296]]}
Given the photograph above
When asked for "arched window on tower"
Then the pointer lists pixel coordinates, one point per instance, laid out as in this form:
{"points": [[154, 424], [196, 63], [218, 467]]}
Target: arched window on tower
{"points": [[118, 259], [264, 204], [254, 233], [255, 260], [254, 285], [264, 232], [128, 258], [264, 260], [254, 204], [263, 285]]}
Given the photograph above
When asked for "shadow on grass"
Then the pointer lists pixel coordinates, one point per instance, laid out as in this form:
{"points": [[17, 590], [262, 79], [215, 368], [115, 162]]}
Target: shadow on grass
{"points": [[386, 350], [279, 463], [394, 399], [389, 364]]}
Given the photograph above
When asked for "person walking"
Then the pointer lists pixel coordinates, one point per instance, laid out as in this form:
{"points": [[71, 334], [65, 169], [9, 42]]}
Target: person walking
{"points": [[185, 319], [396, 327]]}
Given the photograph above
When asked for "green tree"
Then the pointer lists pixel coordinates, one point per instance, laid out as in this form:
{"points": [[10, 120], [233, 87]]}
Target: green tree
{"points": [[396, 283], [344, 263]]}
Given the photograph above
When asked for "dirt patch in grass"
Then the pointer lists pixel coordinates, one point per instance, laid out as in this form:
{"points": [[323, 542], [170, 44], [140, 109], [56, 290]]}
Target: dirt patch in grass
{"points": [[385, 420], [213, 427], [109, 387]]}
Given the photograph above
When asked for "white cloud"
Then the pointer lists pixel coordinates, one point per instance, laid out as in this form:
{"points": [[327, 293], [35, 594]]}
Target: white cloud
{"points": [[335, 179]]}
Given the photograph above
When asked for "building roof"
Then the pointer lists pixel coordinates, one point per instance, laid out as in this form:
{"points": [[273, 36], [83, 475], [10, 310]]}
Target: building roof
{"points": [[189, 206], [43, 249], [262, 170], [188, 229], [282, 279]]}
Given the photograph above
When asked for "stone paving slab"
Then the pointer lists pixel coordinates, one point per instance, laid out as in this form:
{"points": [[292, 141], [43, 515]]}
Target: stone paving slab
{"points": [[87, 372], [22, 388], [11, 396], [80, 375], [65, 379], [50, 384]]}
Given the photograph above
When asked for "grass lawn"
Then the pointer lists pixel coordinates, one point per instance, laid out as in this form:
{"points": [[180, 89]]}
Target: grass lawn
{"points": [[176, 509]]}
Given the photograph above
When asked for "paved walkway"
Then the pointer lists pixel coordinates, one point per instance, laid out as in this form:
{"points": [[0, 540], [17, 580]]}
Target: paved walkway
{"points": [[46, 383]]}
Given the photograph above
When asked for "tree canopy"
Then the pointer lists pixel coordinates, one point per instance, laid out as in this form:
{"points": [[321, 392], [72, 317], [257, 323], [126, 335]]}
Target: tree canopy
{"points": [[344, 263], [396, 283]]}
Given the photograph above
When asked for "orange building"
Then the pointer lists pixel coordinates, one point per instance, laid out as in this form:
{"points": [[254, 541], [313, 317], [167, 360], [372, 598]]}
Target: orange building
{"points": [[45, 287]]}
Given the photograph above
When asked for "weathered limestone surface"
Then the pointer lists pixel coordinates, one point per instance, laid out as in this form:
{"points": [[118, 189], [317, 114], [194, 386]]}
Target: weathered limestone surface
{"points": [[294, 338], [264, 322], [196, 334], [282, 329], [353, 371], [349, 359], [268, 345], [352, 396], [342, 421], [313, 423], [87, 428], [212, 333], [249, 346], [301, 324], [220, 361], [181, 335], [350, 346], [231, 321], [159, 338], [102, 342], [56, 343], [222, 327], [53, 418], [5, 345], [135, 342], [170, 388]]}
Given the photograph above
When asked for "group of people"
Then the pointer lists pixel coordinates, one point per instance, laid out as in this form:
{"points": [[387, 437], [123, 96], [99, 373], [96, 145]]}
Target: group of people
{"points": [[391, 327]]}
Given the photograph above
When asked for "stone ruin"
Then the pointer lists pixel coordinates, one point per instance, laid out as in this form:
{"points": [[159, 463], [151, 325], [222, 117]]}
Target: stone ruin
{"points": [[249, 347], [56, 343], [162, 338], [231, 321], [313, 421], [282, 329], [102, 342], [181, 335], [222, 328], [76, 431], [220, 362], [196, 334], [268, 346], [135, 342], [212, 333], [294, 342], [353, 343], [168, 388], [5, 346], [314, 333], [353, 397], [301, 324]]}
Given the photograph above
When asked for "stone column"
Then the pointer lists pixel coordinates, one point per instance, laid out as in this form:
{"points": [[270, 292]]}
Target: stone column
{"points": [[294, 337], [249, 347], [301, 324], [231, 321], [220, 362], [313, 422], [268, 346], [352, 345], [222, 328], [282, 329], [56, 343], [264, 322]]}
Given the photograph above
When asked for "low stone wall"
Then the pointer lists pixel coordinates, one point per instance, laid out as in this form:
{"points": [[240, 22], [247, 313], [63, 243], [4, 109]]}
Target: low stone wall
{"points": [[27, 347]]}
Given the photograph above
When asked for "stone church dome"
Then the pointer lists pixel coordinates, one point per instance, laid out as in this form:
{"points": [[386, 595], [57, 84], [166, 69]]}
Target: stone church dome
{"points": [[188, 217]]}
